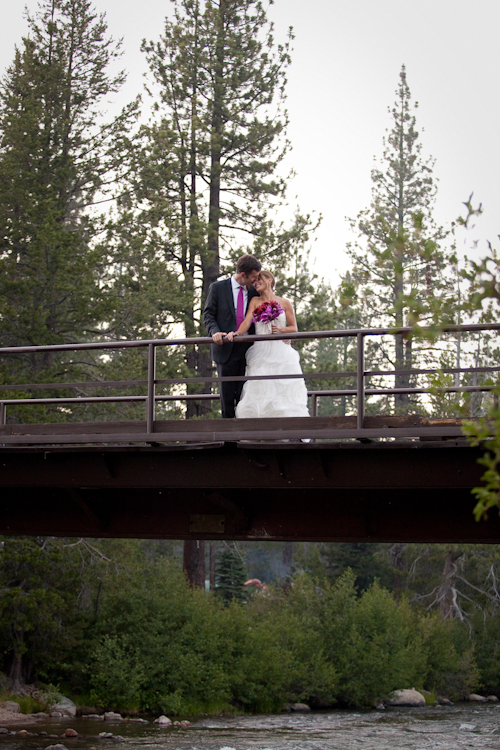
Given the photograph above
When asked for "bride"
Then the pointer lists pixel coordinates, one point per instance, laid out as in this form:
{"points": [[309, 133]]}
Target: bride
{"points": [[271, 398]]}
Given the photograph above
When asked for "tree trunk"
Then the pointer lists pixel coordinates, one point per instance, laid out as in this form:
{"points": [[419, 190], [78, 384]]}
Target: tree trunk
{"points": [[400, 381], [211, 263], [194, 562], [17, 686], [97, 601], [212, 565], [447, 603], [198, 359], [287, 564]]}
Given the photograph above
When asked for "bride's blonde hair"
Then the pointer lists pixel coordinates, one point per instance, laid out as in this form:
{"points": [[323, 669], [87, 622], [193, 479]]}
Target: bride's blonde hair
{"points": [[268, 275]]}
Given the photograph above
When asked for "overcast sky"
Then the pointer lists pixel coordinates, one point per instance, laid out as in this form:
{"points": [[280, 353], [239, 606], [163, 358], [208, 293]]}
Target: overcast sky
{"points": [[345, 69]]}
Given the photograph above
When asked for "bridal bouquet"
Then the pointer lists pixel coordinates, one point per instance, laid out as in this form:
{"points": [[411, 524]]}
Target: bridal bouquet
{"points": [[267, 312]]}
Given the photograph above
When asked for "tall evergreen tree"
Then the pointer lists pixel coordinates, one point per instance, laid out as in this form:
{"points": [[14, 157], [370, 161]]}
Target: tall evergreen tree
{"points": [[207, 180], [59, 156], [230, 575], [399, 266]]}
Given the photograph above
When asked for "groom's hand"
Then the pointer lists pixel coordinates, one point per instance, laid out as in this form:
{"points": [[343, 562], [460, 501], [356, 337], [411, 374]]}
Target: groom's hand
{"points": [[217, 338]]}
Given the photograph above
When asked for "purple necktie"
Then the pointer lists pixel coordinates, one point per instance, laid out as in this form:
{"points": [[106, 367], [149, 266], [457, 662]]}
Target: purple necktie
{"points": [[240, 309]]}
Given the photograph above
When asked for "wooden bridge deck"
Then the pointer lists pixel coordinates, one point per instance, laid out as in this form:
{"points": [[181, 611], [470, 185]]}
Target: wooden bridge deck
{"points": [[246, 479], [194, 430]]}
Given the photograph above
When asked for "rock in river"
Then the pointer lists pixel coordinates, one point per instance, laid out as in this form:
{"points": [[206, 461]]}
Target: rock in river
{"points": [[164, 721], [406, 698]]}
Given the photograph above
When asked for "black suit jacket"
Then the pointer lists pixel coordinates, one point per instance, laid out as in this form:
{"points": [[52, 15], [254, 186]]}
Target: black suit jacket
{"points": [[219, 315]]}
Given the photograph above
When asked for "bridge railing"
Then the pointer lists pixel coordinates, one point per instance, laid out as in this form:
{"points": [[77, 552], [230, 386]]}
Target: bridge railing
{"points": [[360, 392]]}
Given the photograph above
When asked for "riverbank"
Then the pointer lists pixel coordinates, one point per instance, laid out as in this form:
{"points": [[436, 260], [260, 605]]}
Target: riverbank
{"points": [[12, 719]]}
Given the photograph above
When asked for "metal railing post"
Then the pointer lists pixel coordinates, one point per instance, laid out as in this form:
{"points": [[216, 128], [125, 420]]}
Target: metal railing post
{"points": [[3, 413], [314, 405], [360, 380], [150, 402], [314, 409]]}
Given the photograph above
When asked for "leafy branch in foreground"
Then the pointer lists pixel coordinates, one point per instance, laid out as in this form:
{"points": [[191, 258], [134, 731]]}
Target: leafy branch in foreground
{"points": [[484, 277], [487, 429]]}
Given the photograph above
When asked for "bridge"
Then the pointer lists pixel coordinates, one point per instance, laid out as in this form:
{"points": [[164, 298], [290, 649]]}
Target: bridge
{"points": [[357, 478]]}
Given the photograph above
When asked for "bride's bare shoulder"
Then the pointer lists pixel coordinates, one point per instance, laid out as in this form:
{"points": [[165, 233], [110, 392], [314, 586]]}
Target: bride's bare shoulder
{"points": [[284, 302]]}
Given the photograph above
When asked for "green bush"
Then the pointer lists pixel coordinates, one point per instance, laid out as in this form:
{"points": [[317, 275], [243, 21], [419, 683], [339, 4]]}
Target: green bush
{"points": [[371, 641], [451, 666], [486, 637], [141, 639]]}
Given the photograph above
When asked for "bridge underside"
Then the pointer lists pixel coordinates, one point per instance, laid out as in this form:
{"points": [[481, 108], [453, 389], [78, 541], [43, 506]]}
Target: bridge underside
{"points": [[382, 491]]}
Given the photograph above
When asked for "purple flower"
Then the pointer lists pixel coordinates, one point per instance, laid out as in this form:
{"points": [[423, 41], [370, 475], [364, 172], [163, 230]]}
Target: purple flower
{"points": [[266, 312]]}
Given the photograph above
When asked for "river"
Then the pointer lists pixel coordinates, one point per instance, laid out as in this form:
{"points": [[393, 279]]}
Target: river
{"points": [[446, 728]]}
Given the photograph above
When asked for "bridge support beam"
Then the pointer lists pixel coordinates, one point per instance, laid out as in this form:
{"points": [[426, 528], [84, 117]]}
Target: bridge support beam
{"points": [[411, 492]]}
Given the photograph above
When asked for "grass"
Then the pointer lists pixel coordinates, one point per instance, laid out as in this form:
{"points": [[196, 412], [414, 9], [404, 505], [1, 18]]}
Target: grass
{"points": [[27, 704]]}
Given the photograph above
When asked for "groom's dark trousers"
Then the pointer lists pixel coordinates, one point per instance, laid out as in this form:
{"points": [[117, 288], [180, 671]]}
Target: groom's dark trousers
{"points": [[220, 315]]}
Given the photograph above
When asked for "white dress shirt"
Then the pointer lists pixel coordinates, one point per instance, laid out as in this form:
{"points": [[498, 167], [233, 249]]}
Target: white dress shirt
{"points": [[236, 290]]}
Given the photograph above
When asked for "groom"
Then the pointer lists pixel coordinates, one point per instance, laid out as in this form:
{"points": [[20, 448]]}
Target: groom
{"points": [[225, 309]]}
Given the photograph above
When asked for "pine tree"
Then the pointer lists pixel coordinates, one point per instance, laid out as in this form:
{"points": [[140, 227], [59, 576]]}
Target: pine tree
{"points": [[37, 580], [206, 183], [399, 266], [59, 157], [230, 575]]}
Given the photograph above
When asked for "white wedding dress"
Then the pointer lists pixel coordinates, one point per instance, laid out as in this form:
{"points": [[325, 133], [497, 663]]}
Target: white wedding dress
{"points": [[272, 398]]}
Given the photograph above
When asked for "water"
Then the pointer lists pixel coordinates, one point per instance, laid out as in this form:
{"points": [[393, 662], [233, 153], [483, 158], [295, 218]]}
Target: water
{"points": [[464, 726]]}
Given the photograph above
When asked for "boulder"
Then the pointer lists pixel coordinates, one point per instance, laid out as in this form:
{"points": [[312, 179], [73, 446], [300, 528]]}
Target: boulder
{"points": [[300, 707], [164, 721], [406, 698], [71, 733], [105, 735], [62, 705], [119, 738], [476, 698], [4, 730], [59, 746], [112, 716], [492, 698], [443, 701], [12, 706], [185, 724]]}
